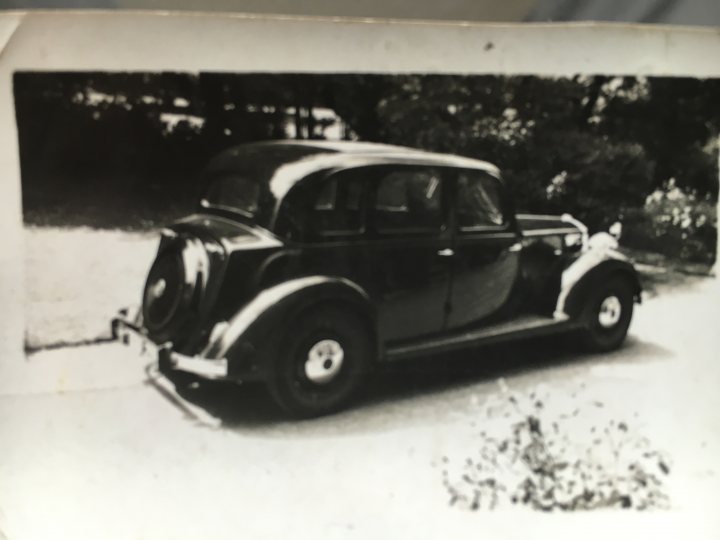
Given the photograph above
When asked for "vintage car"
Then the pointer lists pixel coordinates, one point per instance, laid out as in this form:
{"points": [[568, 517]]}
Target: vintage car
{"points": [[307, 263]]}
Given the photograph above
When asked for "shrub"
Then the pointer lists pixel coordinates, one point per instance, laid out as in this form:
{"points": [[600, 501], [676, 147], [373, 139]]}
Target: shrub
{"points": [[596, 179], [532, 460], [674, 222]]}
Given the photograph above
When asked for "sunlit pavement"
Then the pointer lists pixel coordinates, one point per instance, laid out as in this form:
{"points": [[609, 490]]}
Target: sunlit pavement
{"points": [[92, 449]]}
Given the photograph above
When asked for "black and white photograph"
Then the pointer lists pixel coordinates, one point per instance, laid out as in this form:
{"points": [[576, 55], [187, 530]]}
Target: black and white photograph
{"points": [[460, 295]]}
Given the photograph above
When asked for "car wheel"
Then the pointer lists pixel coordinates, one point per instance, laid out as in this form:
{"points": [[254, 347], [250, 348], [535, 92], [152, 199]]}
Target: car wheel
{"points": [[608, 314], [325, 359]]}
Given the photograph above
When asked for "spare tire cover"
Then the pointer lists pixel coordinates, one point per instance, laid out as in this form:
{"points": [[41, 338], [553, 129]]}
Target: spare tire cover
{"points": [[173, 288]]}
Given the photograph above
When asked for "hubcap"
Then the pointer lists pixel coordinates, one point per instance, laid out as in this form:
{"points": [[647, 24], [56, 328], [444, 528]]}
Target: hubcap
{"points": [[610, 311], [324, 360]]}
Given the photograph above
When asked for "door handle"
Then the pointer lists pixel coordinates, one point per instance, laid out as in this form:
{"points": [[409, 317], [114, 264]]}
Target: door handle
{"points": [[515, 247], [447, 252]]}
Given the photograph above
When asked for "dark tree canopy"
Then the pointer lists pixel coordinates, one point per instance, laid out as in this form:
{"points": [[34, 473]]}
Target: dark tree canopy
{"points": [[125, 149]]}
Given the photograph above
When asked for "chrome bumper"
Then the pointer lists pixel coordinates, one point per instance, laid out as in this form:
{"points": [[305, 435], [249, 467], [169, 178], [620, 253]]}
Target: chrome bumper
{"points": [[129, 333]]}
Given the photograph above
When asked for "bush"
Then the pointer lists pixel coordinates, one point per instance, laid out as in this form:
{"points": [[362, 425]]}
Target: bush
{"points": [[558, 462], [676, 223], [596, 179]]}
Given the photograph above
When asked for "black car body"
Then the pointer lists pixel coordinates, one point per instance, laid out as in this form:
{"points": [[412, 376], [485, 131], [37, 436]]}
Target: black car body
{"points": [[308, 262]]}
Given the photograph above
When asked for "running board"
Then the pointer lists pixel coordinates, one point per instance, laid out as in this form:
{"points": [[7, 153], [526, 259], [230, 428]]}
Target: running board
{"points": [[523, 327]]}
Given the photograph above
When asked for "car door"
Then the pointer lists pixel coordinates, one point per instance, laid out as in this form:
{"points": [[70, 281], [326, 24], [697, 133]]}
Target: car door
{"points": [[486, 250], [408, 219], [385, 228]]}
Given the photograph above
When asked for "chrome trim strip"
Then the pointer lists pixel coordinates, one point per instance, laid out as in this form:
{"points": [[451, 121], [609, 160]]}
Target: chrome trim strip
{"points": [[242, 320], [565, 218], [548, 232], [484, 234], [538, 217]]}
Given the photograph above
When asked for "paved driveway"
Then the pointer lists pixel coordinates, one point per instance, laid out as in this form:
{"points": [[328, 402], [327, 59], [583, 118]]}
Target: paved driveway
{"points": [[90, 449]]}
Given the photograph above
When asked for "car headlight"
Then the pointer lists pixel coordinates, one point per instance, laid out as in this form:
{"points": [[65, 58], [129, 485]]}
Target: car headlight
{"points": [[573, 241]]}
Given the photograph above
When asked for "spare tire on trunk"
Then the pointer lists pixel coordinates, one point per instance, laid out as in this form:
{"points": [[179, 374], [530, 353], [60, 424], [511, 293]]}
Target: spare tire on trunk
{"points": [[174, 288]]}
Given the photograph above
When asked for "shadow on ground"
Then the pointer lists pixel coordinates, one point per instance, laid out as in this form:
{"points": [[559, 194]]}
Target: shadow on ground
{"points": [[424, 390], [659, 281]]}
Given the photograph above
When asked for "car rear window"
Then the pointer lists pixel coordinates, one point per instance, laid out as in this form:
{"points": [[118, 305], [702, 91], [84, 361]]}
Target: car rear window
{"points": [[234, 192], [339, 205]]}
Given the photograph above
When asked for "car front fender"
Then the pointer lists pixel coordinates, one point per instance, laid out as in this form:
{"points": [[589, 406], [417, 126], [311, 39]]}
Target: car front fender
{"points": [[598, 263]]}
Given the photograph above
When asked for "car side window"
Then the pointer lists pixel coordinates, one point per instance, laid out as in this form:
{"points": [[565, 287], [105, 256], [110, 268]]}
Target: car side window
{"points": [[479, 203], [409, 200], [338, 209]]}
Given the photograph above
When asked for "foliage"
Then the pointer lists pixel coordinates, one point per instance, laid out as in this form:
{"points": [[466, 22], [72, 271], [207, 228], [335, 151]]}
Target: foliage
{"points": [[598, 179], [594, 146], [674, 119], [544, 463], [534, 141], [675, 222]]}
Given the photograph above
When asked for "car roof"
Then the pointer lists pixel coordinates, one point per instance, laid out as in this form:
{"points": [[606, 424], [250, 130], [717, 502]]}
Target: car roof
{"points": [[294, 160], [387, 153], [328, 154]]}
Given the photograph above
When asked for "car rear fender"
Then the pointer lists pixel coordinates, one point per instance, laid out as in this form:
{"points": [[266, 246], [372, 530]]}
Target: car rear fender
{"points": [[249, 337]]}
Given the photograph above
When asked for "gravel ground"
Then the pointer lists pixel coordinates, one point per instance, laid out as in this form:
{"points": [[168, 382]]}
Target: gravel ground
{"points": [[94, 452], [97, 452]]}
